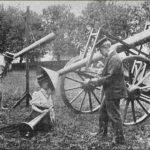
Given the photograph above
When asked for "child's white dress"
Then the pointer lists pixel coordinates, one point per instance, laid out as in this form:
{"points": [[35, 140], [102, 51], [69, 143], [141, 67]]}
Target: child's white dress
{"points": [[43, 101]]}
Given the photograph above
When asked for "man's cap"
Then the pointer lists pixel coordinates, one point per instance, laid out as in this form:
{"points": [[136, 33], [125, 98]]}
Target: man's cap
{"points": [[106, 44], [101, 41], [8, 55]]}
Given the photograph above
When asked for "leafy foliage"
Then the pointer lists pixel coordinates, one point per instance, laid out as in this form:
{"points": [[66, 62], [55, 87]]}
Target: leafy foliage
{"points": [[120, 20], [60, 20], [12, 30]]}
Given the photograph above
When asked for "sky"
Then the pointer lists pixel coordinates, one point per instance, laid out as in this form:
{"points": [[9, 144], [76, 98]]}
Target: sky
{"points": [[37, 6]]}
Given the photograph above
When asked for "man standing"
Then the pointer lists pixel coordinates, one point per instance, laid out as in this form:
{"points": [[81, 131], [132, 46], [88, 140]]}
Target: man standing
{"points": [[114, 89], [5, 65]]}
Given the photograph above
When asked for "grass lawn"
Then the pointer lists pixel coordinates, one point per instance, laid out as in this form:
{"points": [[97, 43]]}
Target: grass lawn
{"points": [[72, 130]]}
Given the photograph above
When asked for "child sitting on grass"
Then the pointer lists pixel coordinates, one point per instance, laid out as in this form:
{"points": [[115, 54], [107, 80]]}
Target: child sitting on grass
{"points": [[41, 102]]}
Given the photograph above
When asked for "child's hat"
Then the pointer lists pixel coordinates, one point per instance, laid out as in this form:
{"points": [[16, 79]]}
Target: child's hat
{"points": [[41, 77]]}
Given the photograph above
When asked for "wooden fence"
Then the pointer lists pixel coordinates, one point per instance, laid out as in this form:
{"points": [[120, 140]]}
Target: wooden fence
{"points": [[54, 65]]}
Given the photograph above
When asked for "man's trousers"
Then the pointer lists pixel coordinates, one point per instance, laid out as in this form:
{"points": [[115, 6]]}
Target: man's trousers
{"points": [[110, 110]]}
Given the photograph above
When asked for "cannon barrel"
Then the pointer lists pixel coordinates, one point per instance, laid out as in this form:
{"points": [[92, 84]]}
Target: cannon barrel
{"points": [[135, 40], [79, 64], [49, 37]]}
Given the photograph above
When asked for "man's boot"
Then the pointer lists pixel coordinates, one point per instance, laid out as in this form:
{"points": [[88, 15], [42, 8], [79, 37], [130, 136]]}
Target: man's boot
{"points": [[102, 129], [118, 137]]}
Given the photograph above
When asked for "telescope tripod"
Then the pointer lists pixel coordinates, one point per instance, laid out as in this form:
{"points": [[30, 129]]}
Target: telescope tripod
{"points": [[26, 95]]}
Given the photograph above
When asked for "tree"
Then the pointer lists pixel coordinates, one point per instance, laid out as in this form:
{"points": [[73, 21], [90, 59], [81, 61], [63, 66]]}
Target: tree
{"points": [[36, 32], [59, 19], [112, 17], [12, 30], [71, 32]]}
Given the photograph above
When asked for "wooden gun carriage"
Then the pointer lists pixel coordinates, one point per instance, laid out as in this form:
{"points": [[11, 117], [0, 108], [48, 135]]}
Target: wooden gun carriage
{"points": [[84, 98]]}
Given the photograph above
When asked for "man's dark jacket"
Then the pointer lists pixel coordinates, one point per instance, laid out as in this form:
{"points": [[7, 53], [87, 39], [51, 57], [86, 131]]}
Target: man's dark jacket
{"points": [[113, 78]]}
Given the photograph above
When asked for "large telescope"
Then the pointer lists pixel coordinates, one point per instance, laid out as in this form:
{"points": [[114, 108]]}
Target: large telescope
{"points": [[49, 37], [7, 58]]}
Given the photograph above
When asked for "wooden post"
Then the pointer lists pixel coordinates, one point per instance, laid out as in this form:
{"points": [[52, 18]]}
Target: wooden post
{"points": [[27, 55]]}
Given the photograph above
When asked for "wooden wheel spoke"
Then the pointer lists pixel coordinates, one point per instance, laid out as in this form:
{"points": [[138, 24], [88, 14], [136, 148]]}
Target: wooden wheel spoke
{"points": [[83, 101], [90, 101], [142, 107], [75, 80], [76, 96], [73, 88], [145, 87], [143, 71], [80, 77], [85, 74], [144, 98], [134, 66], [130, 74], [133, 111], [137, 73], [125, 110], [146, 76], [96, 98]]}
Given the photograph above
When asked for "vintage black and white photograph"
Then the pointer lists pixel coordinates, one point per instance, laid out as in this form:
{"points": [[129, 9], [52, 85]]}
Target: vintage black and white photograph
{"points": [[74, 75]]}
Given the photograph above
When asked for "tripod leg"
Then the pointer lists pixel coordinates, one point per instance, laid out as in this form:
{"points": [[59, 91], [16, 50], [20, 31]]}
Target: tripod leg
{"points": [[19, 101], [25, 95], [28, 97]]}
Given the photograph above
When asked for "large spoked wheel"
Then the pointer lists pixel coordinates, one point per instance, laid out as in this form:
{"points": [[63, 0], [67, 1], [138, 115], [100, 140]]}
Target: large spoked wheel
{"points": [[136, 108], [80, 97]]}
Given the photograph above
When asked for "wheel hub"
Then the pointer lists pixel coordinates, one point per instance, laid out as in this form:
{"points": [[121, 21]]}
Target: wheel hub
{"points": [[88, 87], [133, 92]]}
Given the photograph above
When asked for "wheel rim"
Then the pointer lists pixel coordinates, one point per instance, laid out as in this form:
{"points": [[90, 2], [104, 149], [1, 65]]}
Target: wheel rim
{"points": [[77, 96], [136, 108]]}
